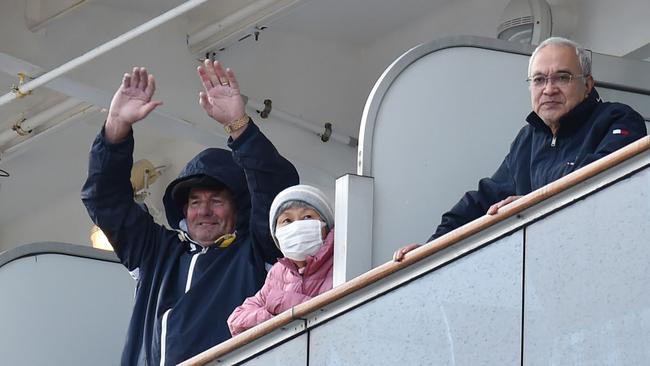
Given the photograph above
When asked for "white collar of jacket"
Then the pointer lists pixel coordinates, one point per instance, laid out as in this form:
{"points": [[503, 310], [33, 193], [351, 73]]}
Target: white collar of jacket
{"points": [[222, 242]]}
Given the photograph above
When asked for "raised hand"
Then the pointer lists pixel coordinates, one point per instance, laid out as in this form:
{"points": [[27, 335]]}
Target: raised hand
{"points": [[131, 103], [221, 97]]}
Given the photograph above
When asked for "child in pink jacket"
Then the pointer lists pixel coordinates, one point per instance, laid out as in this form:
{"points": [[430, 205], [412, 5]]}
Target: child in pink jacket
{"points": [[302, 225]]}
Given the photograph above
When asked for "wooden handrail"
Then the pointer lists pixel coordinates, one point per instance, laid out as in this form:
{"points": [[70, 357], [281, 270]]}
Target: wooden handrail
{"points": [[463, 232]]}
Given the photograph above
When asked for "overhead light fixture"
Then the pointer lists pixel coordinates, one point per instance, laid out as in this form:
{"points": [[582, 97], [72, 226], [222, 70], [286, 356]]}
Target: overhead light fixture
{"points": [[143, 174], [99, 240], [239, 25], [525, 21]]}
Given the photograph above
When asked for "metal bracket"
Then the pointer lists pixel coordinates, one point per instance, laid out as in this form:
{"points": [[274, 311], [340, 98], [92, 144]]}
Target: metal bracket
{"points": [[268, 106], [19, 129], [325, 136], [16, 88]]}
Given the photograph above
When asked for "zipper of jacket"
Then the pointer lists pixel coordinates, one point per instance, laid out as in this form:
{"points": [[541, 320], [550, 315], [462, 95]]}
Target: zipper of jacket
{"points": [[163, 332], [190, 272], [163, 336], [553, 141]]}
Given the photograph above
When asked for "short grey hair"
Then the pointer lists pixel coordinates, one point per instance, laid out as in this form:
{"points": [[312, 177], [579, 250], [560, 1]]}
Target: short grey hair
{"points": [[292, 204], [584, 56]]}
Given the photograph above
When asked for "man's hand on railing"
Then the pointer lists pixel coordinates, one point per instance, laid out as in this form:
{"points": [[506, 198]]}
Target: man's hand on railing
{"points": [[494, 209], [399, 254]]}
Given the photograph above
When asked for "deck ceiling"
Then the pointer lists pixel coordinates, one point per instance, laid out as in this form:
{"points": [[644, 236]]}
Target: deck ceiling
{"points": [[58, 157]]}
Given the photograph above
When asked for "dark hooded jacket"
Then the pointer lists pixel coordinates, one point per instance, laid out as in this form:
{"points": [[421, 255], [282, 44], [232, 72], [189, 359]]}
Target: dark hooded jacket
{"points": [[591, 130], [185, 292]]}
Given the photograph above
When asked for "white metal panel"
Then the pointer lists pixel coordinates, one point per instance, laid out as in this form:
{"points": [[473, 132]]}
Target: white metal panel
{"points": [[587, 295], [63, 310], [465, 313], [445, 122]]}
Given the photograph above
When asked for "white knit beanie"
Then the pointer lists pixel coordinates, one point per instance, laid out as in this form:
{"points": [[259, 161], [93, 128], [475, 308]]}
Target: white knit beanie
{"points": [[310, 195]]}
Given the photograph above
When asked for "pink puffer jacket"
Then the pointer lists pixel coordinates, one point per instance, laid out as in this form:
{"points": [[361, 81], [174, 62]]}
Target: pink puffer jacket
{"points": [[285, 287]]}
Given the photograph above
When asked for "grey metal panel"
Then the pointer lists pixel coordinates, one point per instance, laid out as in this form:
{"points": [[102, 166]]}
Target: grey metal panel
{"points": [[291, 353], [435, 136], [621, 73], [613, 72], [587, 294], [466, 313], [63, 310], [385, 81]]}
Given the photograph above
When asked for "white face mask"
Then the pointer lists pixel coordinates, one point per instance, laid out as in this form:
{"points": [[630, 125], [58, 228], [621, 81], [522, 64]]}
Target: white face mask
{"points": [[300, 239]]}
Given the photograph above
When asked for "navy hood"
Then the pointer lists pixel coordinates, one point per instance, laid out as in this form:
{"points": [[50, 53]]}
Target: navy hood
{"points": [[219, 165]]}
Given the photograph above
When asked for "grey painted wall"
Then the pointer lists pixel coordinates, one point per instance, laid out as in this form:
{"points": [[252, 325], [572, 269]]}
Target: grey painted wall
{"points": [[60, 309]]}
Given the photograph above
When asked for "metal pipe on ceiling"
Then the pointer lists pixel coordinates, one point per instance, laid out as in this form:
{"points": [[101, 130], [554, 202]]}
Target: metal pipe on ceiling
{"points": [[15, 150], [26, 88], [301, 123], [31, 123]]}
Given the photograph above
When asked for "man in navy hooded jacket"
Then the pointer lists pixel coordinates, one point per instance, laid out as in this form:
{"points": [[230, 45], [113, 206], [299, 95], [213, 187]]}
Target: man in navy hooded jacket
{"points": [[188, 279], [569, 128]]}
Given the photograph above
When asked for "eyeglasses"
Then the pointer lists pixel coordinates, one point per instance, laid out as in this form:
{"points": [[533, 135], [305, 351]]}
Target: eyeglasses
{"points": [[559, 79]]}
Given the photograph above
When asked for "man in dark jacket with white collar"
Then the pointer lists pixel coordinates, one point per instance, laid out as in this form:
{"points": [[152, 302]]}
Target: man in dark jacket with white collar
{"points": [[188, 279], [569, 128]]}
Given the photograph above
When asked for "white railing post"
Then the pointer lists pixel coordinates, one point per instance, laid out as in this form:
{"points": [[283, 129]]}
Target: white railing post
{"points": [[353, 225]]}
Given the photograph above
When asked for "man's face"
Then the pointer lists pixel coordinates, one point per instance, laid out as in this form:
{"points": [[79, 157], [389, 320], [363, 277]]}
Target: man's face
{"points": [[209, 214], [553, 100]]}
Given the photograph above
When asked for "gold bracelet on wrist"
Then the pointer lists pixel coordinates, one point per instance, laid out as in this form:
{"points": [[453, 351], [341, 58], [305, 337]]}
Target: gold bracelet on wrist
{"points": [[237, 124]]}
